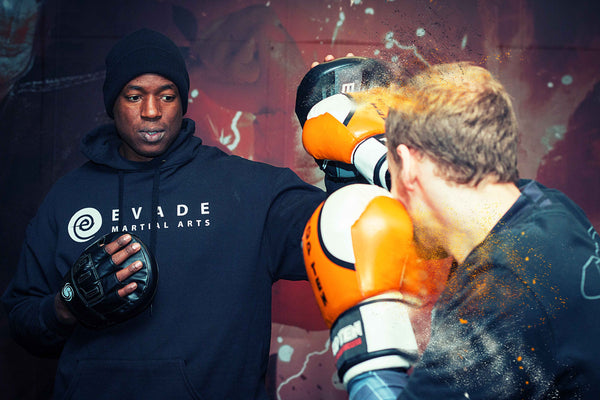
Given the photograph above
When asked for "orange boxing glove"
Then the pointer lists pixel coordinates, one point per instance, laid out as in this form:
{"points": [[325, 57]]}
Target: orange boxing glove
{"points": [[357, 244], [363, 268], [350, 128], [386, 257]]}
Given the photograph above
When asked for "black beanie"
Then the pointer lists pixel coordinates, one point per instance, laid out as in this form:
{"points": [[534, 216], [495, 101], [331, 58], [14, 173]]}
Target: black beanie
{"points": [[144, 52]]}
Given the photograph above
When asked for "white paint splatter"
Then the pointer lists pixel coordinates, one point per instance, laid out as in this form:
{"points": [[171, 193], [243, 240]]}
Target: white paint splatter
{"points": [[566, 80], [420, 32], [285, 353], [235, 130], [338, 25], [224, 139], [391, 42], [463, 44], [299, 373], [553, 134]]}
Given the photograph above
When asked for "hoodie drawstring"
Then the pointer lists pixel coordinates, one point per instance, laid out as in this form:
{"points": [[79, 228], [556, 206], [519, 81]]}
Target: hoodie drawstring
{"points": [[155, 192], [154, 218], [121, 190], [153, 209]]}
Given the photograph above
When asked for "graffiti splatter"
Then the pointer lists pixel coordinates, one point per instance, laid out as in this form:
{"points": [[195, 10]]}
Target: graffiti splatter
{"points": [[228, 140], [303, 368], [338, 25], [391, 42]]}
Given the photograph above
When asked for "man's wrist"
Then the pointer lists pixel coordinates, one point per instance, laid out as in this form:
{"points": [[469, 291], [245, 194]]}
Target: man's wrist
{"points": [[377, 385], [63, 314], [376, 334]]}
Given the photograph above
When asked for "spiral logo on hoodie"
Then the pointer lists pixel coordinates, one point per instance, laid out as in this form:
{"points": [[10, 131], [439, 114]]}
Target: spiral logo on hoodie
{"points": [[84, 224]]}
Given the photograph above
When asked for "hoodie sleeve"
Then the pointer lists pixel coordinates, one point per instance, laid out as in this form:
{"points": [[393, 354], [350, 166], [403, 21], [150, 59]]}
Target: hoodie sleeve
{"points": [[293, 203], [29, 298]]}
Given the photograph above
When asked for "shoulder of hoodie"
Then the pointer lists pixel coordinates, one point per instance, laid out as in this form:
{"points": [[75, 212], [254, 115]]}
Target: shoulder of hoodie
{"points": [[212, 157], [207, 158]]}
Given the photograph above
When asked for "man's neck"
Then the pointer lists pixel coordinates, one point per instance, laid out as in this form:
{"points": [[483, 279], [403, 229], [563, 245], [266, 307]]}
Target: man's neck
{"points": [[474, 212]]}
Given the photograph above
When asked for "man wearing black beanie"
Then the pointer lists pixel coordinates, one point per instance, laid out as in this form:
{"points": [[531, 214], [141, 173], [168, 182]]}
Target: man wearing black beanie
{"points": [[144, 51], [221, 228]]}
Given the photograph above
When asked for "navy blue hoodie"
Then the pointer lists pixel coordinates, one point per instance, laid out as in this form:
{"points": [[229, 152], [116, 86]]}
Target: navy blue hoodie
{"points": [[222, 229]]}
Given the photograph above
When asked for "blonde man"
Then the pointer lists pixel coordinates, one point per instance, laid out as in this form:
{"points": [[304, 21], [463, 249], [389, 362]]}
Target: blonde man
{"points": [[518, 318]]}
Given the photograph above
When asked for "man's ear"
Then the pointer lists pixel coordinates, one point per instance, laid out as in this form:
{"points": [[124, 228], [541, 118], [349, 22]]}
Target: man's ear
{"points": [[407, 172]]}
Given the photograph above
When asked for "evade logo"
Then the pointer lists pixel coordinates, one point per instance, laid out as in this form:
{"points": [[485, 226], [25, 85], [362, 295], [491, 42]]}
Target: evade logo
{"points": [[84, 224]]}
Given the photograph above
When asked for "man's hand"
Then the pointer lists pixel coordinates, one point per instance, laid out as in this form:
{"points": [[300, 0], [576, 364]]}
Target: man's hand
{"points": [[329, 57], [113, 280], [120, 250], [342, 129], [361, 263]]}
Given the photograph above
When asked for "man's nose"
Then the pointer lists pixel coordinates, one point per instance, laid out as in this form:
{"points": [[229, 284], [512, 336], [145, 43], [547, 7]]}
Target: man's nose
{"points": [[151, 108]]}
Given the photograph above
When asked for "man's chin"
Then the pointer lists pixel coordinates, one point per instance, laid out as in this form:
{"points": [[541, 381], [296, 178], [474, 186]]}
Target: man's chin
{"points": [[431, 253], [429, 249]]}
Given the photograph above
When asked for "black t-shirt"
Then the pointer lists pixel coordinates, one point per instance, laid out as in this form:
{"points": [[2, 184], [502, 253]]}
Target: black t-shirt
{"points": [[519, 318]]}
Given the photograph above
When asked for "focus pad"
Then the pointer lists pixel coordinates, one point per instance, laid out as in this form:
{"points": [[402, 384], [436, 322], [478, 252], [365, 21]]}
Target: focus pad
{"points": [[90, 287], [342, 75]]}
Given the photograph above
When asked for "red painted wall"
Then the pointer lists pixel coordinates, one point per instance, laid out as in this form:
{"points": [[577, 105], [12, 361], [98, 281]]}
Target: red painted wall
{"points": [[245, 59]]}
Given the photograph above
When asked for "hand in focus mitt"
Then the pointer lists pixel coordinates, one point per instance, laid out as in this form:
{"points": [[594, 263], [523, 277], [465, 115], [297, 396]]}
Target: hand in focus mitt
{"points": [[90, 288]]}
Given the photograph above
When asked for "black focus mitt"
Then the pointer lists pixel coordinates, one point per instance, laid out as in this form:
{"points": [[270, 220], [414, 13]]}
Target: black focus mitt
{"points": [[90, 287], [342, 75]]}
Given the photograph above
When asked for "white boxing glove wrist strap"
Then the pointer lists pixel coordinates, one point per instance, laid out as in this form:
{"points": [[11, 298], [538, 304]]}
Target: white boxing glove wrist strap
{"points": [[375, 334], [370, 159]]}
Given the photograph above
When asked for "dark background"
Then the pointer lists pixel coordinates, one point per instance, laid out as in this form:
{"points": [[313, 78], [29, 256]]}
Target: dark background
{"points": [[245, 59]]}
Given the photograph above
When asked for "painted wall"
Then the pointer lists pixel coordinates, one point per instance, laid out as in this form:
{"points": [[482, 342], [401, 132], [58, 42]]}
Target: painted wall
{"points": [[246, 58]]}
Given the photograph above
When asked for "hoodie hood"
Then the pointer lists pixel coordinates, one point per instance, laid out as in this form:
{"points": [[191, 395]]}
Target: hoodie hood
{"points": [[101, 146]]}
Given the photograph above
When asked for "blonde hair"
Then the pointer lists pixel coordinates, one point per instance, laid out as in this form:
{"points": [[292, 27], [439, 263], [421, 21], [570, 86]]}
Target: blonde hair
{"points": [[460, 117]]}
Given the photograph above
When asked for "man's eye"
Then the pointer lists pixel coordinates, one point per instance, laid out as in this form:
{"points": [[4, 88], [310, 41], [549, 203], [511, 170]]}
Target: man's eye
{"points": [[168, 97], [134, 97]]}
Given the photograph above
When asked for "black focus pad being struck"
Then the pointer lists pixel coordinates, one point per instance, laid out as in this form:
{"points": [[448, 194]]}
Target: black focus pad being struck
{"points": [[342, 75], [90, 287]]}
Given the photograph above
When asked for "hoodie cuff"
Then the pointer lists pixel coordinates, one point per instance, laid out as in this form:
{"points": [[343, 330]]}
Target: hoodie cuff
{"points": [[50, 321]]}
